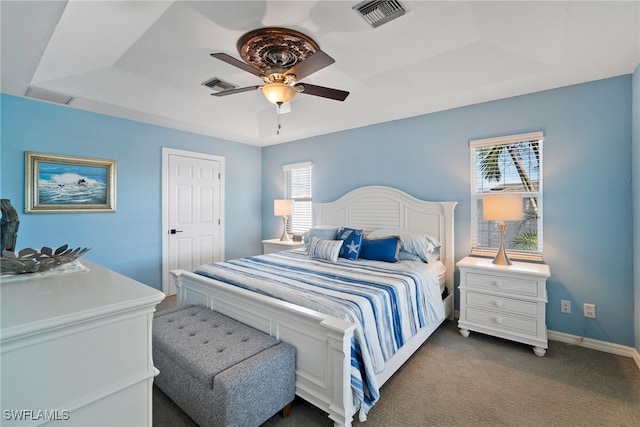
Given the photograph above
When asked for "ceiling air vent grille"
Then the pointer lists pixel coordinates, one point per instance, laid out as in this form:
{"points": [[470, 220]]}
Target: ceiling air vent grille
{"points": [[48, 95], [380, 12], [218, 84]]}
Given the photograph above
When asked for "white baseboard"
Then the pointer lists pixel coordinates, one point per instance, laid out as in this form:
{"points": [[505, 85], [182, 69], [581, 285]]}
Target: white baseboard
{"points": [[604, 346], [636, 358]]}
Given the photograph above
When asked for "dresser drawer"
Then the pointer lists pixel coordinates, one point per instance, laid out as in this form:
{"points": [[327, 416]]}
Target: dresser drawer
{"points": [[492, 302], [501, 283], [502, 321]]}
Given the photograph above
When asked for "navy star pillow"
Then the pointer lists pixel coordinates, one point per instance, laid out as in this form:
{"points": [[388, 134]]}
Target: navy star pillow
{"points": [[352, 242]]}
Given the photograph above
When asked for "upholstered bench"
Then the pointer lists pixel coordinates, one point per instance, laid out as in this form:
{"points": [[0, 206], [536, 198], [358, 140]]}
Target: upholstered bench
{"points": [[219, 371]]}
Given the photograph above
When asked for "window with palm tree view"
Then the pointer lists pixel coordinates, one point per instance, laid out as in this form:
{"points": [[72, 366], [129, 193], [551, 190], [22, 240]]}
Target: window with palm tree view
{"points": [[510, 164]]}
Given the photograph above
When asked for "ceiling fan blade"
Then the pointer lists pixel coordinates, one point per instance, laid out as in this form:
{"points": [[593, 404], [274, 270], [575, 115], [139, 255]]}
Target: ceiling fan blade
{"points": [[237, 63], [234, 91], [314, 63], [325, 92]]}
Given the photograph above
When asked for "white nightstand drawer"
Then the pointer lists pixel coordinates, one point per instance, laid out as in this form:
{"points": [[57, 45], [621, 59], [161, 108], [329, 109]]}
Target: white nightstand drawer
{"points": [[506, 304], [502, 321], [501, 283]]}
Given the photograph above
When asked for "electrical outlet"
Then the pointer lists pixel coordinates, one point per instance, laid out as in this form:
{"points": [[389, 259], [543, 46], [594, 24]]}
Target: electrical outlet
{"points": [[565, 306], [590, 311]]}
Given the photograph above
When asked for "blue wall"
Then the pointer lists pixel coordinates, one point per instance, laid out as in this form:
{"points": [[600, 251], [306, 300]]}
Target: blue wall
{"points": [[587, 185], [130, 240], [587, 203]]}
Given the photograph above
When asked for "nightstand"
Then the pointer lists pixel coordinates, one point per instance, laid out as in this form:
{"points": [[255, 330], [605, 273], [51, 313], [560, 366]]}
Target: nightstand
{"points": [[276, 245], [506, 301]]}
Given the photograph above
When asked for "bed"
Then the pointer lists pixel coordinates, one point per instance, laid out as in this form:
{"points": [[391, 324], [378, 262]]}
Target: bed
{"points": [[324, 342]]}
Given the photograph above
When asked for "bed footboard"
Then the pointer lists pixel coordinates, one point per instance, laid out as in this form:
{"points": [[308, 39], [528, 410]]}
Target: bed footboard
{"points": [[322, 342]]}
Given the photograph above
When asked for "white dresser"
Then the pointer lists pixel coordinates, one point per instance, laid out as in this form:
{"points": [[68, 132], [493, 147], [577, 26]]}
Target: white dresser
{"points": [[76, 349], [504, 301]]}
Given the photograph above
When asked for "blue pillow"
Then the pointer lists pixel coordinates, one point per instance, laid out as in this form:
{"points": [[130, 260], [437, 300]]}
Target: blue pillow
{"points": [[408, 256], [386, 249], [322, 232], [352, 242]]}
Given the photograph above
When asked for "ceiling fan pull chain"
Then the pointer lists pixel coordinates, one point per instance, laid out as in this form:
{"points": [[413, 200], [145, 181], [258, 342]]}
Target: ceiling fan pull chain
{"points": [[278, 126]]}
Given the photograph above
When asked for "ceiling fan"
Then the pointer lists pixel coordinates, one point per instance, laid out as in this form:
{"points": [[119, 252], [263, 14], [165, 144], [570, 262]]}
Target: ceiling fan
{"points": [[281, 57]]}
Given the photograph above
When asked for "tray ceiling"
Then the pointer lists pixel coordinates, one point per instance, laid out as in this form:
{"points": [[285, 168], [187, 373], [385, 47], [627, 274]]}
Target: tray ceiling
{"points": [[148, 60]]}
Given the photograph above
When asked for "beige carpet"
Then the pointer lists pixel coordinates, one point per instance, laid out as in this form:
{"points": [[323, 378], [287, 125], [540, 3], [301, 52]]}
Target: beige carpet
{"points": [[485, 381]]}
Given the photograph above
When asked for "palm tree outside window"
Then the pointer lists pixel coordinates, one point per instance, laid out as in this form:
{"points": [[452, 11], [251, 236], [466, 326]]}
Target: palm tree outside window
{"points": [[510, 164]]}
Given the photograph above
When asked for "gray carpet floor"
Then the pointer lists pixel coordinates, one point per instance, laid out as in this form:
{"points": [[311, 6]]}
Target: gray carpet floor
{"points": [[484, 381]]}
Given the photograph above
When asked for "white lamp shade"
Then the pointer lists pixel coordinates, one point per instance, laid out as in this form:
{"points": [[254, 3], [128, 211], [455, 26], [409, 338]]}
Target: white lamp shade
{"points": [[282, 207], [278, 93], [502, 207]]}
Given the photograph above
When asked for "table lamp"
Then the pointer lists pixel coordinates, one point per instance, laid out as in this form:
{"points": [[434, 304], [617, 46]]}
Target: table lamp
{"points": [[283, 208], [502, 207]]}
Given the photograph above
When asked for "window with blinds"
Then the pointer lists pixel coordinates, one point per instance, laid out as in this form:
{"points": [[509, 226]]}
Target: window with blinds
{"points": [[510, 164], [297, 186]]}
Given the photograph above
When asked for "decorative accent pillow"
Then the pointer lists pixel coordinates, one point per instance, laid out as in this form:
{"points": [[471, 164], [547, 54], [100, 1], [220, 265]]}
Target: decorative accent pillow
{"points": [[352, 242], [385, 249], [322, 232], [327, 250], [413, 242]]}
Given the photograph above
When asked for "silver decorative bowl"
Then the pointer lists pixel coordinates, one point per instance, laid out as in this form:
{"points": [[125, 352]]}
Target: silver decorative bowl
{"points": [[32, 261]]}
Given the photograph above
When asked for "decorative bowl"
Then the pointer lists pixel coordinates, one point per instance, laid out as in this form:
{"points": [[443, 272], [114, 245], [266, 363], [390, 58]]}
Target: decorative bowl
{"points": [[32, 261]]}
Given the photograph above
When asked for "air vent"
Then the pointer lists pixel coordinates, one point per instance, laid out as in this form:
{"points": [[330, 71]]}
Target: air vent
{"points": [[218, 85], [380, 12], [48, 95]]}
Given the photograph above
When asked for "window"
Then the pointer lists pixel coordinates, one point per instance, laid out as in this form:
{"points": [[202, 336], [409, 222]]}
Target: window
{"points": [[510, 164], [297, 186]]}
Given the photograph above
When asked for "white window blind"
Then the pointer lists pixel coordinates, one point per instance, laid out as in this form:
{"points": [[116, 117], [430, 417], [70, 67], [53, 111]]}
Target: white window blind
{"points": [[297, 186], [510, 164]]}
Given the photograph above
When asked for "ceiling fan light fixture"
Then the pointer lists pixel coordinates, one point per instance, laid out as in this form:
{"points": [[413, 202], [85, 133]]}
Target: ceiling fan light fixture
{"points": [[278, 93]]}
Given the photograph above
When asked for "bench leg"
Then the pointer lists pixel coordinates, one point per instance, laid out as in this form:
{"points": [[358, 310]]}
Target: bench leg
{"points": [[286, 410]]}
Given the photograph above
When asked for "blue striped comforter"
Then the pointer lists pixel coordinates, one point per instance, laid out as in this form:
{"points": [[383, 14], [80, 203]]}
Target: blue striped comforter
{"points": [[388, 303]]}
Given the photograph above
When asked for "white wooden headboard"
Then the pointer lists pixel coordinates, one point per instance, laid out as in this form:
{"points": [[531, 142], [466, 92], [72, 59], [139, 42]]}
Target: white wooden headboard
{"points": [[374, 207]]}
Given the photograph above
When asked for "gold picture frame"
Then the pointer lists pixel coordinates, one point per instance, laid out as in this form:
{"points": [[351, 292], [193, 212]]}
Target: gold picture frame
{"points": [[68, 184]]}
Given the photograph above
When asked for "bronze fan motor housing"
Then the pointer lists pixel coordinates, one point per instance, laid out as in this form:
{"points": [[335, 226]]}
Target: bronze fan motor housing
{"points": [[274, 49]]}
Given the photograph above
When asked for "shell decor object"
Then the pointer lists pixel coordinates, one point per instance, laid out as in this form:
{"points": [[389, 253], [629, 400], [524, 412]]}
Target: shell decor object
{"points": [[32, 261]]}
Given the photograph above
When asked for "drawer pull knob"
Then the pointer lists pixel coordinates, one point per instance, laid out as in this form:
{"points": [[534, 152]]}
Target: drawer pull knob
{"points": [[498, 284], [499, 304], [499, 320]]}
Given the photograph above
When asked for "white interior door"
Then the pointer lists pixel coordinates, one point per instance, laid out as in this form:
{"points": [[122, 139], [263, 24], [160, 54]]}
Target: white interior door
{"points": [[193, 209]]}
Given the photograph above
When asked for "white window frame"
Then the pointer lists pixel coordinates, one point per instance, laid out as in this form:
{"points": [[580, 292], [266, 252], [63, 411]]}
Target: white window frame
{"points": [[302, 217], [476, 199]]}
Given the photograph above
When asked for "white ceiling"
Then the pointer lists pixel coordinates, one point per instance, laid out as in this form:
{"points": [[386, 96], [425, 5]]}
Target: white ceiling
{"points": [[147, 60]]}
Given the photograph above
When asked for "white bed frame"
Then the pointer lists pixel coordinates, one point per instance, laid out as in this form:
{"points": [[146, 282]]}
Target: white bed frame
{"points": [[323, 342]]}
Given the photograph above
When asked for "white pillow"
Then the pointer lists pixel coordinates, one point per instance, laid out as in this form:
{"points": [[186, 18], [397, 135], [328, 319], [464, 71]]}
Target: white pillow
{"points": [[327, 250], [413, 242]]}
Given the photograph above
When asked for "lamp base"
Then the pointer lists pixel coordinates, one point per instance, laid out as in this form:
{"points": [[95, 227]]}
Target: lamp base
{"points": [[285, 237], [501, 257]]}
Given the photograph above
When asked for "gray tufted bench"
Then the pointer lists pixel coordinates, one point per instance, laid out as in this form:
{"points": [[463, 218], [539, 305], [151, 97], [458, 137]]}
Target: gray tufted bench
{"points": [[219, 371]]}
